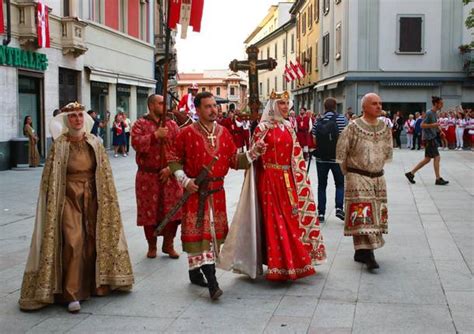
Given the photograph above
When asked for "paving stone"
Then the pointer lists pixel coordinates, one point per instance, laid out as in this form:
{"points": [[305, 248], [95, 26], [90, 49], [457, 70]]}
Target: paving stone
{"points": [[333, 315], [121, 324], [402, 318], [282, 324]]}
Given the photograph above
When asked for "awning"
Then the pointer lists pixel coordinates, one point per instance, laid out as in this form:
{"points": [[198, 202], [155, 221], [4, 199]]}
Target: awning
{"points": [[329, 84], [102, 75]]}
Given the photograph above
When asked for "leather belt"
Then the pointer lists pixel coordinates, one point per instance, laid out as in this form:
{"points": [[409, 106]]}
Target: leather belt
{"points": [[276, 166], [203, 194], [149, 169], [365, 173]]}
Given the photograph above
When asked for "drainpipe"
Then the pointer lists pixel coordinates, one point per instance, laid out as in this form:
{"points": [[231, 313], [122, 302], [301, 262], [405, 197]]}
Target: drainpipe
{"points": [[9, 24]]}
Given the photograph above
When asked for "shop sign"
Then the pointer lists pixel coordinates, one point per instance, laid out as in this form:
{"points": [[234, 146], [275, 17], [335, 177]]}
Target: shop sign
{"points": [[16, 57]]}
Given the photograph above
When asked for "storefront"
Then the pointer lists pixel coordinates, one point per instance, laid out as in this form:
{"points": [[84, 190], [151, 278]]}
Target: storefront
{"points": [[22, 95]]}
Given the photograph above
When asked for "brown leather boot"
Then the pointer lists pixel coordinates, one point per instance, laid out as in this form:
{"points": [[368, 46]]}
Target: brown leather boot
{"points": [[151, 248], [168, 246]]}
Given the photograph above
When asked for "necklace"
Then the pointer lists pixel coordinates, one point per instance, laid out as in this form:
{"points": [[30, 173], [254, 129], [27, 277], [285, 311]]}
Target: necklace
{"points": [[210, 134]]}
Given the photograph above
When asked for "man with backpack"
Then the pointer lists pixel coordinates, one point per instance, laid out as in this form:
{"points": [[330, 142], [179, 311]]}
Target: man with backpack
{"points": [[325, 134]]}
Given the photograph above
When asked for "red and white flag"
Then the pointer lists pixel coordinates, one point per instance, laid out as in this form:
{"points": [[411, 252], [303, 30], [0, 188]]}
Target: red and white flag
{"points": [[186, 13], [42, 25], [294, 71], [298, 69], [2, 29], [289, 75]]}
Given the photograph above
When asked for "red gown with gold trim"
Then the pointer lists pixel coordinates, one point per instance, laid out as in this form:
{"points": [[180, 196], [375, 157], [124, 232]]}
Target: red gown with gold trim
{"points": [[290, 226]]}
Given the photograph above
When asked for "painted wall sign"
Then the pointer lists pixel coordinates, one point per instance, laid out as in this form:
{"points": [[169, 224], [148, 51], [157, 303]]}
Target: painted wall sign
{"points": [[16, 57]]}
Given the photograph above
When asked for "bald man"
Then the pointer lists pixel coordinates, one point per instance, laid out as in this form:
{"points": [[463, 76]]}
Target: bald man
{"points": [[363, 148], [157, 191]]}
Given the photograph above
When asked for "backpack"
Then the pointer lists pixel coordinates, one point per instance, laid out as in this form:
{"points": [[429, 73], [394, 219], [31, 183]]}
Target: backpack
{"points": [[327, 132]]}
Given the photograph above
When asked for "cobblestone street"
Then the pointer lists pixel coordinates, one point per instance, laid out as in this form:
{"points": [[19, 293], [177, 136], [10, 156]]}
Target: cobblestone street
{"points": [[424, 285]]}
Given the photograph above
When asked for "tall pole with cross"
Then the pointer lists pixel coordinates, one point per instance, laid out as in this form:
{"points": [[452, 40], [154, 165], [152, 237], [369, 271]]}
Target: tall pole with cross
{"points": [[253, 65]]}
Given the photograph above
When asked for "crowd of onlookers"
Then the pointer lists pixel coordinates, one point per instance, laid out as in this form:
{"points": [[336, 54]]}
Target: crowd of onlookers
{"points": [[457, 125]]}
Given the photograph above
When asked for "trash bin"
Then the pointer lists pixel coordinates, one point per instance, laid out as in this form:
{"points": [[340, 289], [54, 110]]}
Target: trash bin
{"points": [[19, 151]]}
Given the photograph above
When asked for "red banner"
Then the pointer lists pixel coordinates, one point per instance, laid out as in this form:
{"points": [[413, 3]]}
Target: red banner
{"points": [[2, 29], [185, 12], [42, 25]]}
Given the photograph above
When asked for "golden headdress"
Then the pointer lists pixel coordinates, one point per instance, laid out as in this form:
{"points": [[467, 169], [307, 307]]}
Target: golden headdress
{"points": [[280, 95], [73, 106]]}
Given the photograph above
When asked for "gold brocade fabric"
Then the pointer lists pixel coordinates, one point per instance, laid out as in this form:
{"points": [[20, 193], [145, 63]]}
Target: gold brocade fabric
{"points": [[365, 147], [79, 223], [33, 153], [43, 277]]}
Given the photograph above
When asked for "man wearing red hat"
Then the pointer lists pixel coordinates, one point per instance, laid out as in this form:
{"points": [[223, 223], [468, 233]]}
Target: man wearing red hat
{"points": [[187, 101]]}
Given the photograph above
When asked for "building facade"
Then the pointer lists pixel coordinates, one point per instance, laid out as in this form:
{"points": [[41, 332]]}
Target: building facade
{"points": [[307, 14], [101, 54], [224, 84], [275, 37], [406, 51]]}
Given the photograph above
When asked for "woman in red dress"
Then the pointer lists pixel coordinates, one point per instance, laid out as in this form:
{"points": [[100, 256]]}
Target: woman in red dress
{"points": [[288, 235]]}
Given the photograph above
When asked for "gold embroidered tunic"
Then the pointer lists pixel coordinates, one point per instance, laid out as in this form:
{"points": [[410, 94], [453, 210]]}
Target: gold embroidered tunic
{"points": [[78, 243], [367, 148]]}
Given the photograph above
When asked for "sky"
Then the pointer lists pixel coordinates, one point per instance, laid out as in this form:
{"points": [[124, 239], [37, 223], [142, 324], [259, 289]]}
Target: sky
{"points": [[225, 25]]}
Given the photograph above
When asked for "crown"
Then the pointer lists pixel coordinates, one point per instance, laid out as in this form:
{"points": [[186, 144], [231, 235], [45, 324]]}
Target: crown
{"points": [[73, 106], [280, 96]]}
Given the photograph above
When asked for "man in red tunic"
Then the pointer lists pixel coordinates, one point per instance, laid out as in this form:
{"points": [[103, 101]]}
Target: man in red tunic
{"points": [[303, 123], [204, 225], [157, 191], [235, 128], [187, 101]]}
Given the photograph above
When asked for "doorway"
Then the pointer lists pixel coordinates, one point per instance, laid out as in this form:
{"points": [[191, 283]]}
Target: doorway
{"points": [[29, 95]]}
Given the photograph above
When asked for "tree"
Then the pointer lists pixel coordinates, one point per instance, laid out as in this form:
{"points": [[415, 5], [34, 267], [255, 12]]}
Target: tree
{"points": [[470, 18]]}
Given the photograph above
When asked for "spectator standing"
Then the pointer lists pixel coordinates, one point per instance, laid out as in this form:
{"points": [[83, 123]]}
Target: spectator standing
{"points": [[417, 131], [33, 153], [325, 135], [119, 140], [460, 127], [409, 127]]}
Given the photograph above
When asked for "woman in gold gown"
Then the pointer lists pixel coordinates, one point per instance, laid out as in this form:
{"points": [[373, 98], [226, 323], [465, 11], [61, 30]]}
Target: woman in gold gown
{"points": [[33, 153], [78, 247]]}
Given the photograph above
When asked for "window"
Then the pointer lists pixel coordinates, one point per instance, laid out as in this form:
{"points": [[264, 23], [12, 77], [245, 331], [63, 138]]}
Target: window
{"points": [[316, 10], [303, 61], [285, 83], [268, 52], [143, 21], [203, 89], [276, 50], [338, 40], [284, 47], [97, 11], [268, 86], [410, 34], [316, 57], [310, 60], [260, 87], [232, 91], [310, 16], [261, 54], [326, 49], [303, 24], [123, 22], [276, 84], [66, 9], [292, 43], [218, 91], [326, 7]]}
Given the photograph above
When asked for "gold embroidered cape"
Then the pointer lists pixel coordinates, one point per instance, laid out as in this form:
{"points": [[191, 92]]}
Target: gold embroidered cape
{"points": [[42, 278]]}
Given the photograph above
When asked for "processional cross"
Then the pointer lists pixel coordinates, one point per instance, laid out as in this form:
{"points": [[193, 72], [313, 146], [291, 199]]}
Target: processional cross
{"points": [[252, 65]]}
